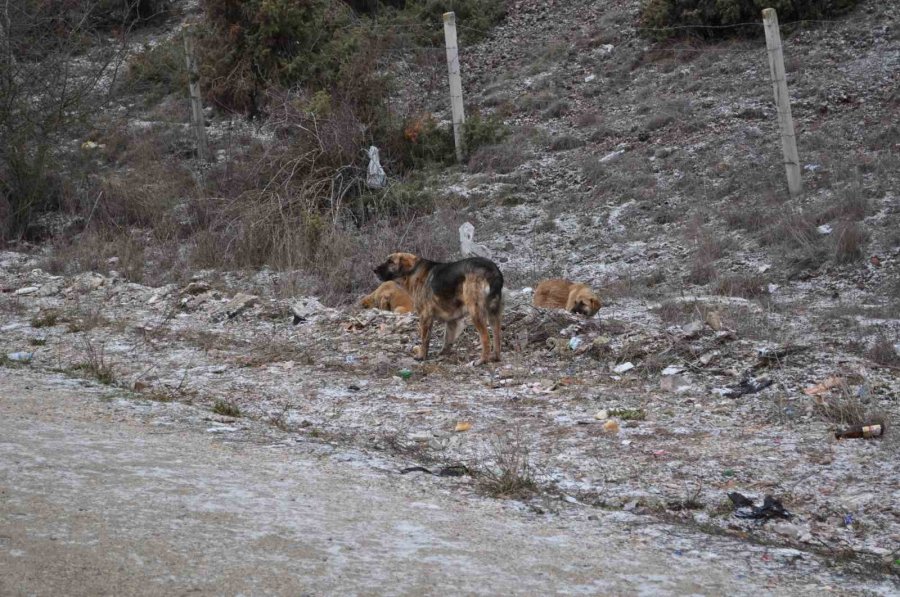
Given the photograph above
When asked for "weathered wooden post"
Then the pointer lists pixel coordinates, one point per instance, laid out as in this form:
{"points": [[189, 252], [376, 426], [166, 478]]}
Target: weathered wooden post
{"points": [[196, 102], [782, 101], [456, 99]]}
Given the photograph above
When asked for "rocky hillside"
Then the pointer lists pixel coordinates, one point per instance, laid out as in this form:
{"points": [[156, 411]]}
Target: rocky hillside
{"points": [[740, 327]]}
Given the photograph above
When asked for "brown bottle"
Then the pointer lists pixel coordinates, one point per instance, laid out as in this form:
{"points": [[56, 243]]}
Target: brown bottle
{"points": [[860, 431]]}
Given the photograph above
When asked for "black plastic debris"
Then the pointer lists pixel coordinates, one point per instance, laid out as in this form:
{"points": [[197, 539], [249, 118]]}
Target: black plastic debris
{"points": [[744, 507], [748, 386], [454, 470]]}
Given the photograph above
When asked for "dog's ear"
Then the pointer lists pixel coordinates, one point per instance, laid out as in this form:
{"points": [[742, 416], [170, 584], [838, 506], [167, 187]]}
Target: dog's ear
{"points": [[406, 262]]}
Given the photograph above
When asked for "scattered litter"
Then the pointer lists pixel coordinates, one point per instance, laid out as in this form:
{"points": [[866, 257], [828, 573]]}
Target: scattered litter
{"points": [[575, 342], [848, 520], [405, 373], [611, 426], [26, 290], [709, 357], [824, 229], [20, 357], [590, 78], [831, 382], [747, 386], [692, 329], [744, 508], [463, 426], [860, 432], [672, 370], [627, 366], [602, 415], [454, 470]]}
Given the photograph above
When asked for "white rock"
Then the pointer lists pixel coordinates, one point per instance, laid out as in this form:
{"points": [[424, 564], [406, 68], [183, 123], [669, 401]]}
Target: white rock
{"points": [[672, 370], [221, 429], [26, 290], [611, 157], [824, 229], [589, 78], [622, 368]]}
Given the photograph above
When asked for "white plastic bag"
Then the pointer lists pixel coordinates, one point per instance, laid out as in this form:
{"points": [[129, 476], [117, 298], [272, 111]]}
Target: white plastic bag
{"points": [[376, 177]]}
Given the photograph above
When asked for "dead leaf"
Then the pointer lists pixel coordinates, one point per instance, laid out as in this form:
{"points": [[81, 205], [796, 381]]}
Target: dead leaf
{"points": [[463, 426], [611, 426]]}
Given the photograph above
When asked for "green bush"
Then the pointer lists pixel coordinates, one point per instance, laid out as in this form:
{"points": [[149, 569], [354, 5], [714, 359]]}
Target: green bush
{"points": [[479, 131], [474, 18], [251, 45], [697, 14], [161, 68]]}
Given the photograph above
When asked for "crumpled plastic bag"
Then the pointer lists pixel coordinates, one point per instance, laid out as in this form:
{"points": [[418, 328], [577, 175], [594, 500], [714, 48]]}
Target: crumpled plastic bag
{"points": [[375, 178]]}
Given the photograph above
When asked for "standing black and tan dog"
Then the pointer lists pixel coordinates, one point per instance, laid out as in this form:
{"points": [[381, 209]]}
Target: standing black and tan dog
{"points": [[449, 292]]}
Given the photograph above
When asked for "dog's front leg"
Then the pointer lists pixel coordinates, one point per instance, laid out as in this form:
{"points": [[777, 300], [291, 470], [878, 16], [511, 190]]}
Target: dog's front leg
{"points": [[425, 322]]}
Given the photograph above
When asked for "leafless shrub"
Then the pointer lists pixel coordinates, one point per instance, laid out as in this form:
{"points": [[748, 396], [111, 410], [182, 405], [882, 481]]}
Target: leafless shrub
{"points": [[46, 319], [850, 239], [883, 353], [852, 205], [749, 286], [747, 217], [556, 109], [96, 364], [843, 407], [588, 119], [536, 101], [508, 471], [565, 142], [501, 158]]}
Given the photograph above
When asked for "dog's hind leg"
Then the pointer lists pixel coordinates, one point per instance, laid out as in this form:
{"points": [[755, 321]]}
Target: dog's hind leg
{"points": [[451, 333], [496, 324], [425, 322], [482, 329]]}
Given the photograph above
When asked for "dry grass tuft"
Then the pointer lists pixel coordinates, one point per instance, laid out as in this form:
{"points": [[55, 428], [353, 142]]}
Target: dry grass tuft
{"points": [[883, 353], [509, 473]]}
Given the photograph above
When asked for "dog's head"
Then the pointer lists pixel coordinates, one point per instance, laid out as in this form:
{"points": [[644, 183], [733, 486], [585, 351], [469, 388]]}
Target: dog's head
{"points": [[398, 265], [586, 304], [367, 302]]}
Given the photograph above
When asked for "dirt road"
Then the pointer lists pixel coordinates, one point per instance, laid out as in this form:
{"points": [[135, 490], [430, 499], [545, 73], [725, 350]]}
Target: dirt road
{"points": [[101, 495]]}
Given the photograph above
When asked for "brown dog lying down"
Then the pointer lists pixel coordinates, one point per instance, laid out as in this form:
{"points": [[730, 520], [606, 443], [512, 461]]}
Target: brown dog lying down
{"points": [[450, 292], [563, 294], [390, 296]]}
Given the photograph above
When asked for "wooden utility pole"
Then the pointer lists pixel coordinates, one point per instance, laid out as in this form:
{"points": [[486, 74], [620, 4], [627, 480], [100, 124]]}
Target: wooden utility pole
{"points": [[782, 101], [196, 103], [456, 99]]}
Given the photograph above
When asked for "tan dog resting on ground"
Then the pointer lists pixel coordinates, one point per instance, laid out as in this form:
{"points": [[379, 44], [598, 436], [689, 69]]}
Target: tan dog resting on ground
{"points": [[390, 296], [449, 292], [563, 294]]}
